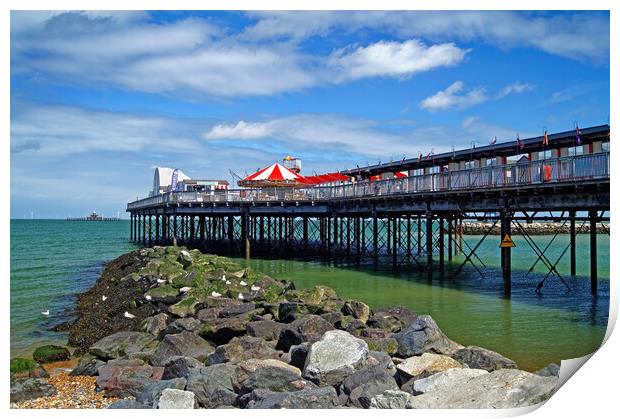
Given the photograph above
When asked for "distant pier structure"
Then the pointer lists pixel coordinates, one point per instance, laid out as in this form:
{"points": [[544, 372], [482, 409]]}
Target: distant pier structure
{"points": [[402, 213], [93, 217]]}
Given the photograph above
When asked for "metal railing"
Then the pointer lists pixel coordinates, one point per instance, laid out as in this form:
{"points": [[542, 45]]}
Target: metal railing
{"points": [[563, 169]]}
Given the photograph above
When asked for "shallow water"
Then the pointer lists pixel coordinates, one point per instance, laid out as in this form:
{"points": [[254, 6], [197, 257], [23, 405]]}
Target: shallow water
{"points": [[53, 260]]}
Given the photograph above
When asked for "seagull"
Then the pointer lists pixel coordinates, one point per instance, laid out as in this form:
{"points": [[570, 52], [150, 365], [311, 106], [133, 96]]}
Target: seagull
{"points": [[215, 294], [243, 283], [148, 297], [161, 281], [129, 315], [46, 312], [254, 288], [240, 296], [185, 289], [224, 278], [103, 298], [227, 282]]}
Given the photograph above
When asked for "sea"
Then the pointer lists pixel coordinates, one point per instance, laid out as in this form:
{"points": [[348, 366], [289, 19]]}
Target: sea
{"points": [[52, 261]]}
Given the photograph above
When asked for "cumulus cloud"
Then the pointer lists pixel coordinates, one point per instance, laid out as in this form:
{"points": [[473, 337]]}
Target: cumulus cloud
{"points": [[451, 98], [396, 59], [516, 87]]}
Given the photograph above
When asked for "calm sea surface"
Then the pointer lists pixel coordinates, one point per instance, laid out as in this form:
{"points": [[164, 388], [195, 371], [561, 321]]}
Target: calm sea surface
{"points": [[53, 260]]}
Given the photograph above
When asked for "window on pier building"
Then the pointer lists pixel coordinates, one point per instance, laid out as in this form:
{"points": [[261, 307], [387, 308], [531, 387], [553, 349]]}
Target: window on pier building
{"points": [[418, 172], [492, 162], [575, 151], [545, 154], [434, 169], [470, 164], [605, 146]]}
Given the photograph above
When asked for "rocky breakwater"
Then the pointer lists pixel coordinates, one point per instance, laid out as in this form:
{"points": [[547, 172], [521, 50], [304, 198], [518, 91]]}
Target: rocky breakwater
{"points": [[172, 328], [478, 228]]}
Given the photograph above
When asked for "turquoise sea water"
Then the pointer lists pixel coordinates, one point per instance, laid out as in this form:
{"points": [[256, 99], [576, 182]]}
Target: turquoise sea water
{"points": [[52, 261]]}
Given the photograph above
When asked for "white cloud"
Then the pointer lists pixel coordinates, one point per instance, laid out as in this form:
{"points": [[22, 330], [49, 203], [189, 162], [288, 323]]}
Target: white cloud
{"points": [[396, 59], [579, 35], [516, 87], [450, 98]]}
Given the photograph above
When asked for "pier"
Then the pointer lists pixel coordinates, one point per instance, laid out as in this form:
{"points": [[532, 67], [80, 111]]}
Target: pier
{"points": [[413, 218]]}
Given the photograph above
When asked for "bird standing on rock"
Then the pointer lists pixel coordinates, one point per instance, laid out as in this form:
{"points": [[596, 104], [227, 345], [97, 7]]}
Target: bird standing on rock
{"points": [[129, 315]]}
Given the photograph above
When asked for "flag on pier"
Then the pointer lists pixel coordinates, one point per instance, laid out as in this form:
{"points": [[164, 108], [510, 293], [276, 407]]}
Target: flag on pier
{"points": [[577, 134], [493, 141], [520, 144], [545, 141], [419, 155]]}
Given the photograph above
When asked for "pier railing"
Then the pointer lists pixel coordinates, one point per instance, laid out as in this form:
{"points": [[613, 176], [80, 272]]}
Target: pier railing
{"points": [[555, 170]]}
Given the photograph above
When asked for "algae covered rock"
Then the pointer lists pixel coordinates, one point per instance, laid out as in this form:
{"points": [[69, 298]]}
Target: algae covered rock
{"points": [[481, 358], [50, 353], [30, 388], [357, 309], [425, 365], [181, 344], [26, 368], [121, 344]]}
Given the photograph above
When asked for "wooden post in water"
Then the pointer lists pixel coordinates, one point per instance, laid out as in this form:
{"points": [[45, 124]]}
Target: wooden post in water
{"points": [[449, 238], [593, 261], [429, 244], [157, 237], [505, 253], [419, 234], [375, 238], [441, 245], [395, 223], [573, 245]]}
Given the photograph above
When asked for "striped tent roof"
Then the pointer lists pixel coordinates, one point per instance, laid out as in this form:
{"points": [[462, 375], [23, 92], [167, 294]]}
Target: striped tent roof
{"points": [[275, 172]]}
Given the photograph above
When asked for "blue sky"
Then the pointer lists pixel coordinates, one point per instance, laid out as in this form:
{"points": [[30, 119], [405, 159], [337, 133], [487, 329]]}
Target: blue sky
{"points": [[98, 99]]}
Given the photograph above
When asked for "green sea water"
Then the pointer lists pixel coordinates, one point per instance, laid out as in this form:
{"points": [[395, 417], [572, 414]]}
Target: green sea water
{"points": [[52, 261]]}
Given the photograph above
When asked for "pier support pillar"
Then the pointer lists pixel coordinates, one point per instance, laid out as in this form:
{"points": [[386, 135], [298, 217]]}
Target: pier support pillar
{"points": [[201, 222], [131, 227], [449, 238], [429, 245], [419, 234], [245, 229], [305, 233], [143, 230], [157, 236], [395, 244], [593, 256], [573, 245], [335, 236], [375, 238], [441, 245], [505, 253], [230, 232]]}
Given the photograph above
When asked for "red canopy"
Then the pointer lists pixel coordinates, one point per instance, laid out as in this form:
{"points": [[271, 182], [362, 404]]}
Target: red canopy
{"points": [[274, 175]]}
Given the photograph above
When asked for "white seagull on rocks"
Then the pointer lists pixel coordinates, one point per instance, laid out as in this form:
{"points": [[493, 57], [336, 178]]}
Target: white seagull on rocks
{"points": [[243, 283], [161, 281], [185, 289], [254, 288], [45, 313], [240, 296], [148, 297], [223, 278], [129, 315], [215, 294], [227, 282], [103, 298]]}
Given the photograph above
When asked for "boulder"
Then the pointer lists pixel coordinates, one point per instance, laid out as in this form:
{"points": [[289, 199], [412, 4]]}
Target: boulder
{"points": [[189, 324], [185, 307], [336, 356], [505, 388], [427, 364], [270, 374], [314, 398], [88, 365], [212, 385], [236, 309], [363, 385], [121, 344], [307, 329], [180, 366], [177, 399], [291, 311], [393, 319], [241, 349], [423, 335], [156, 324], [297, 355], [392, 399], [26, 368], [333, 317], [221, 331], [50, 353], [481, 358], [185, 259], [356, 309], [551, 370], [30, 388], [455, 377], [184, 344], [127, 404], [150, 395], [387, 345], [266, 329], [124, 378]]}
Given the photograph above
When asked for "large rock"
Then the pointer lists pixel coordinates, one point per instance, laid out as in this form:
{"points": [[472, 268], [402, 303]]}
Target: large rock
{"points": [[30, 388], [188, 324], [394, 319], [551, 370], [291, 311], [185, 307], [270, 374], [266, 329], [241, 349], [365, 384], [181, 344], [481, 358], [455, 377], [336, 356], [423, 335], [185, 259], [236, 309], [180, 366], [155, 324], [356, 309], [88, 365], [315, 398], [307, 329], [121, 344], [127, 404], [392, 399], [124, 378], [213, 385], [26, 368], [50, 353], [427, 364], [221, 331], [387, 345], [150, 395], [177, 399], [506, 388]]}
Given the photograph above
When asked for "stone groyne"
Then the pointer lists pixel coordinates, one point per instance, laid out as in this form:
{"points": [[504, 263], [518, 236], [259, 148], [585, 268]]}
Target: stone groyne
{"points": [[475, 228]]}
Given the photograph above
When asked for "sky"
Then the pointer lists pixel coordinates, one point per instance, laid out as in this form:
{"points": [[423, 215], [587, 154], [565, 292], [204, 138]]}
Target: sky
{"points": [[99, 99]]}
